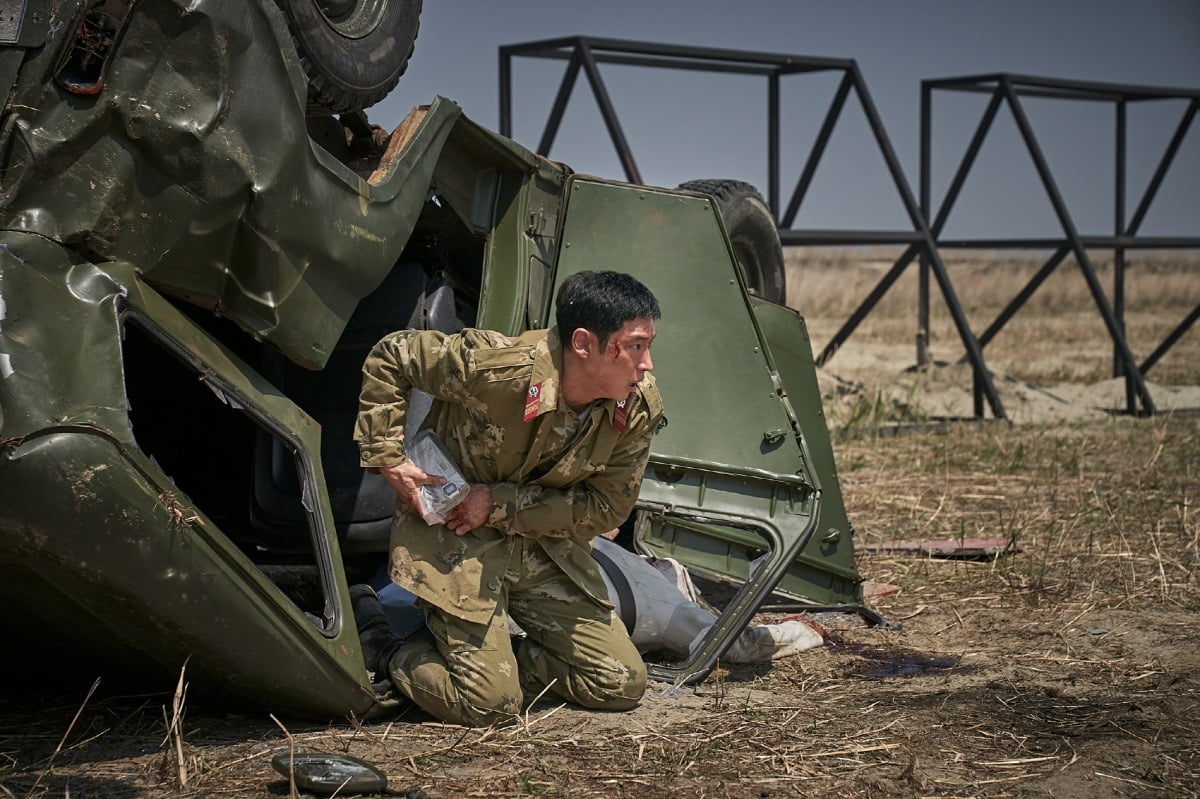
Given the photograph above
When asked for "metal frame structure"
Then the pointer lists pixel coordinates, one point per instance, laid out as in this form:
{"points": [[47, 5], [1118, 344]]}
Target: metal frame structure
{"points": [[1009, 88], [585, 53]]}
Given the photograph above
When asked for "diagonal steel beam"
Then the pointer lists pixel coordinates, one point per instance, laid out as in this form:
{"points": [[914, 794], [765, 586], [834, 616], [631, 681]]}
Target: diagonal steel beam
{"points": [[1081, 257], [608, 112], [1163, 165], [818, 150], [1023, 295], [1170, 340], [865, 307], [984, 387], [560, 104], [964, 168]]}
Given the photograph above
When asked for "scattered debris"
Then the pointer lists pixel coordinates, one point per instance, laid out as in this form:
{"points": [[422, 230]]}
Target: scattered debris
{"points": [[327, 774], [956, 548], [872, 590]]}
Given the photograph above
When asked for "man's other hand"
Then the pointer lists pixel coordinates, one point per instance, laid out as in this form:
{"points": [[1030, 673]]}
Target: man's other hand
{"points": [[472, 511], [407, 478]]}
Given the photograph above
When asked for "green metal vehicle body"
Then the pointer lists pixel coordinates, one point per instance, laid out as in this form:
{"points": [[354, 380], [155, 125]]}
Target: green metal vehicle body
{"points": [[191, 271]]}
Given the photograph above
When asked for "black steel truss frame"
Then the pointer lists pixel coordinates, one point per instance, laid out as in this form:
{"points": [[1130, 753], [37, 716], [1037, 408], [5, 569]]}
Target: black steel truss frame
{"points": [[1009, 89], [923, 242], [586, 53]]}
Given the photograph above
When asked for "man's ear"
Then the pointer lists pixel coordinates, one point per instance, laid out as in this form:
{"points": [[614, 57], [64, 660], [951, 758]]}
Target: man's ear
{"points": [[583, 342]]}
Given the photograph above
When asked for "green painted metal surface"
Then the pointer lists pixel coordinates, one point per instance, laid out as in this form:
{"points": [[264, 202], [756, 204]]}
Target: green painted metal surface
{"points": [[708, 354], [790, 350]]}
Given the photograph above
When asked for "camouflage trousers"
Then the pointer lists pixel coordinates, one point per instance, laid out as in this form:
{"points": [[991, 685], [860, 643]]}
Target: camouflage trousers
{"points": [[478, 674]]}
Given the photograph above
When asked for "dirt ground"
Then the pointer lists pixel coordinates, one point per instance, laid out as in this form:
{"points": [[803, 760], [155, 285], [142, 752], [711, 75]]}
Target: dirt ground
{"points": [[1068, 666]]}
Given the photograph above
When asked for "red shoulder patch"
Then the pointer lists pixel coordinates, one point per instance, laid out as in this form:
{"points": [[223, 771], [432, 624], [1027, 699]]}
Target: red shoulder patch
{"points": [[620, 415], [531, 401]]}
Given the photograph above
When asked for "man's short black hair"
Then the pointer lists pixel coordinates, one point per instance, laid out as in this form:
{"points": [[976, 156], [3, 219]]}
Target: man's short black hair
{"points": [[602, 302]]}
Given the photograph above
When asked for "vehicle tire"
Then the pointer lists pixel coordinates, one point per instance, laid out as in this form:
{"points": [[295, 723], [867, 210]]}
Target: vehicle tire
{"points": [[353, 51], [752, 232]]}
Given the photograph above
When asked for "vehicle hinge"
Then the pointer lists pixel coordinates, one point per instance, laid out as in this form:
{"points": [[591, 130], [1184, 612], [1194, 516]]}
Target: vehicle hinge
{"points": [[541, 224], [777, 384]]}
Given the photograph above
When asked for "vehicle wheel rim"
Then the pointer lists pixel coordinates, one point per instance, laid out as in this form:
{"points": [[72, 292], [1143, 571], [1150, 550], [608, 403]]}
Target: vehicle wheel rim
{"points": [[333, 9], [353, 19], [751, 267]]}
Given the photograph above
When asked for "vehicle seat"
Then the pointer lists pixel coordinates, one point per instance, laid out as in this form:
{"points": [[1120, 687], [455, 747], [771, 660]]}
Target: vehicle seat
{"points": [[362, 503]]}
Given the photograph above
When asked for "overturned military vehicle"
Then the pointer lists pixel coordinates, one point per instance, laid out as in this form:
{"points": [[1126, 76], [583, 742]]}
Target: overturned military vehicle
{"points": [[200, 238]]}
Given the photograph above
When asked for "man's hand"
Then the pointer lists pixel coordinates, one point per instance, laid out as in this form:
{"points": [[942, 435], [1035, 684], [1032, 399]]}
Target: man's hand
{"points": [[407, 479], [472, 512]]}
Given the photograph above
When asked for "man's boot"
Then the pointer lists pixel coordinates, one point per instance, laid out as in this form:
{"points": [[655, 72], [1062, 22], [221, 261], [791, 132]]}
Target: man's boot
{"points": [[378, 641]]}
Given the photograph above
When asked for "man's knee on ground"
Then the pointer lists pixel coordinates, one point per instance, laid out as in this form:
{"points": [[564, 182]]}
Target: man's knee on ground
{"points": [[469, 714], [466, 686], [616, 686], [472, 705]]}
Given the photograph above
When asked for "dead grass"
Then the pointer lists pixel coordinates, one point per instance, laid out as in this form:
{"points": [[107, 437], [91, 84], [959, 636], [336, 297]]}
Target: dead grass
{"points": [[1077, 662], [827, 284], [1102, 514], [1074, 660]]}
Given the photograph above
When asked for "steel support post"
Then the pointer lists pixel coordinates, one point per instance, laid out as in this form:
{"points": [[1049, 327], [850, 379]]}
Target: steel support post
{"points": [[952, 192], [925, 188], [773, 135], [1144, 206], [1118, 368], [505, 73]]}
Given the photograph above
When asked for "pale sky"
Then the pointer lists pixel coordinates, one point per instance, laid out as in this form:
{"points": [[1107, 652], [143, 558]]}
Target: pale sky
{"points": [[686, 125]]}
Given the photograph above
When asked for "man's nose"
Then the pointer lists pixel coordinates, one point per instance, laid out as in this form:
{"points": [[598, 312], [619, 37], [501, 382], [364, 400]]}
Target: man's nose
{"points": [[647, 363]]}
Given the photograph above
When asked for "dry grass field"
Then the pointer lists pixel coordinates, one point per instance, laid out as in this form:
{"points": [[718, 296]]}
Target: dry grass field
{"points": [[1053, 361], [1068, 666]]}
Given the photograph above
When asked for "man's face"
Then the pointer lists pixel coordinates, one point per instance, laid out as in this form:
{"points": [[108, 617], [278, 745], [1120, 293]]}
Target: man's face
{"points": [[623, 361]]}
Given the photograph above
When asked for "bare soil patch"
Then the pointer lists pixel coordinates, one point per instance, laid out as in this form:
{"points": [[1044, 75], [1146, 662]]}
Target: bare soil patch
{"points": [[1067, 667]]}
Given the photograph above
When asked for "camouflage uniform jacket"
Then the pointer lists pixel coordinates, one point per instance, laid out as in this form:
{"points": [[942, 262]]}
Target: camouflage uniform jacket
{"points": [[499, 413]]}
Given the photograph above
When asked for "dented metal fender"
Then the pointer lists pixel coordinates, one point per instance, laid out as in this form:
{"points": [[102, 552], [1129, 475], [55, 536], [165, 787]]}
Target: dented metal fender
{"points": [[50, 301], [194, 163]]}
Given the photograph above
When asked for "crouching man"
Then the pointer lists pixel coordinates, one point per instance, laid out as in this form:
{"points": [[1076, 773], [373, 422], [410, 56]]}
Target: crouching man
{"points": [[552, 429]]}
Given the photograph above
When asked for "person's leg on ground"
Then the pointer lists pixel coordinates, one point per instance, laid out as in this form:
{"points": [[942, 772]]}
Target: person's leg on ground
{"points": [[575, 646], [466, 675], [460, 672]]}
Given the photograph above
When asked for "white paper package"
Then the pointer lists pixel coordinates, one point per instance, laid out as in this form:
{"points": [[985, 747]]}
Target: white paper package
{"points": [[425, 450]]}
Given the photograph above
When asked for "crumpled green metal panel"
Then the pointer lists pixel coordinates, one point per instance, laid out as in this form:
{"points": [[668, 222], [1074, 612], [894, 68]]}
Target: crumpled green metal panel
{"points": [[99, 545], [194, 163], [57, 321]]}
